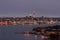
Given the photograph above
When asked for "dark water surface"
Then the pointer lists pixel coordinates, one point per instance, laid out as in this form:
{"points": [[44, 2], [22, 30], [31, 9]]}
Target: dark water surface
{"points": [[7, 32]]}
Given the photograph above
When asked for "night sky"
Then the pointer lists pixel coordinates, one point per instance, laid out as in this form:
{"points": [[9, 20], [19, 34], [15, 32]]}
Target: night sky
{"points": [[19, 8]]}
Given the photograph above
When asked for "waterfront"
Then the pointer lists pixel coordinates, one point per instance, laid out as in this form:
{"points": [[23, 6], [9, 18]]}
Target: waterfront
{"points": [[28, 20], [8, 32]]}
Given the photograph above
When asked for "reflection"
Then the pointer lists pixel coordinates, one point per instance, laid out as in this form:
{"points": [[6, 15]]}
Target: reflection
{"points": [[36, 37], [27, 36], [43, 37]]}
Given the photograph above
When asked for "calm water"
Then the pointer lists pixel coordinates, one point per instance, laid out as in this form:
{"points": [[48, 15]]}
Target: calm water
{"points": [[7, 32]]}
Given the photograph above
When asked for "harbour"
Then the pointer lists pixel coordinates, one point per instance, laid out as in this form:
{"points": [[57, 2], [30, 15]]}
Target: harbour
{"points": [[29, 19], [8, 32]]}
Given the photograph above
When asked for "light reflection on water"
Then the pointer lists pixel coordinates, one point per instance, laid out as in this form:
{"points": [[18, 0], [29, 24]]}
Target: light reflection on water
{"points": [[7, 32], [32, 37], [28, 37]]}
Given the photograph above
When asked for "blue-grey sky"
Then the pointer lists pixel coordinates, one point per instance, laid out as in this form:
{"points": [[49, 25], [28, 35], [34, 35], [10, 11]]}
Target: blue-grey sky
{"points": [[16, 8]]}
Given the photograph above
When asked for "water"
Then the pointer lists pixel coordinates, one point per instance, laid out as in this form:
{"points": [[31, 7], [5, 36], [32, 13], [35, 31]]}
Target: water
{"points": [[7, 32]]}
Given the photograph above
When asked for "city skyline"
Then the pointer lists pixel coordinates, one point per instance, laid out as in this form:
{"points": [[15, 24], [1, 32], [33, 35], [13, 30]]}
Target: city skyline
{"points": [[19, 8]]}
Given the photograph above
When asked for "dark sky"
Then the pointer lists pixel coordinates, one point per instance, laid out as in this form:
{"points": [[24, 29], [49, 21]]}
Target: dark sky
{"points": [[16, 8]]}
